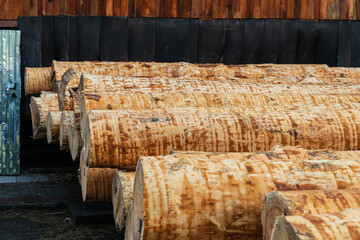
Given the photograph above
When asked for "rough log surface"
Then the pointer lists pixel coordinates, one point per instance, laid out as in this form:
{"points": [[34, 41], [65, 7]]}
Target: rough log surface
{"points": [[96, 183], [53, 127], [119, 101], [75, 143], [177, 197], [65, 122], [122, 195], [40, 108], [101, 83], [341, 225], [37, 80], [279, 204], [118, 138]]}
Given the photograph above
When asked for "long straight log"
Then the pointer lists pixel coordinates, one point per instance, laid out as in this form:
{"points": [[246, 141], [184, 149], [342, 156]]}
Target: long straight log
{"points": [[101, 83], [122, 195], [53, 127], [120, 101], [40, 108], [65, 123], [279, 204], [193, 198], [341, 225], [118, 138], [96, 183], [37, 80]]}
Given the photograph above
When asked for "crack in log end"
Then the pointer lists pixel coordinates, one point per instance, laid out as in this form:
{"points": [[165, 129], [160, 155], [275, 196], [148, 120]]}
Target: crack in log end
{"points": [[93, 96]]}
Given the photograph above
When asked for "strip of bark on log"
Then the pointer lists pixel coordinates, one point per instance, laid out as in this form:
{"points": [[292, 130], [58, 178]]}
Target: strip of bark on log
{"points": [[279, 204], [39, 108], [341, 225], [37, 80], [122, 195], [118, 138], [53, 127], [65, 122], [193, 198]]}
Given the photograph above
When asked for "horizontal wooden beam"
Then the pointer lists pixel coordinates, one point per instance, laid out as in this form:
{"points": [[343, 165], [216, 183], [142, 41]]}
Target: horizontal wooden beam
{"points": [[8, 23]]}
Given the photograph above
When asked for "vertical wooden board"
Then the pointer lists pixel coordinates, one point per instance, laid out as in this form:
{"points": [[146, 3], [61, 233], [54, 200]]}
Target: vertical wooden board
{"points": [[141, 35], [138, 8], [351, 7], [25, 7], [87, 8], [290, 9], [114, 39], [271, 9], [94, 7], [269, 48], [49, 7], [333, 9], [357, 9], [117, 7], [344, 47], [40, 7], [323, 9], [264, 8], [57, 7], [184, 8], [109, 8], [283, 9], [33, 10], [61, 38], [253, 35], [209, 9], [303, 9], [18, 8], [297, 7], [277, 7], [257, 10], [327, 45], [89, 38], [3, 6], [229, 13], [311, 9], [233, 48], [47, 41], [173, 8], [243, 8], [234, 11], [102, 8], [194, 40], [71, 7], [307, 42], [131, 8], [211, 41], [222, 8], [173, 41], [124, 8], [355, 44], [154, 8], [195, 10], [145, 8], [317, 9], [288, 41]]}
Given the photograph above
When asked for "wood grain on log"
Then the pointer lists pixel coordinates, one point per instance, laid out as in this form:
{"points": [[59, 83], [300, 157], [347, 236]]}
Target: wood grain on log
{"points": [[65, 122], [177, 197], [122, 195], [37, 80], [279, 204], [118, 138], [129, 228], [341, 225]]}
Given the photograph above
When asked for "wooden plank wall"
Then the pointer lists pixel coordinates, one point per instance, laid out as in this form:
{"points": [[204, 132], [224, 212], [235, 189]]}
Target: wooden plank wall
{"points": [[202, 9]]}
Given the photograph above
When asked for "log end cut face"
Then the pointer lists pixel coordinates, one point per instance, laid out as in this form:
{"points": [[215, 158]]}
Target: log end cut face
{"points": [[129, 227], [116, 201], [284, 231], [274, 206], [35, 116], [138, 202]]}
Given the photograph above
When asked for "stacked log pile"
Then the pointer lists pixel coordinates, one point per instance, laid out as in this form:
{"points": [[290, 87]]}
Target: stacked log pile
{"points": [[226, 123]]}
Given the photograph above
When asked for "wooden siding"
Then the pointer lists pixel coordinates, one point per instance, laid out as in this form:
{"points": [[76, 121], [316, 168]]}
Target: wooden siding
{"points": [[202, 9]]}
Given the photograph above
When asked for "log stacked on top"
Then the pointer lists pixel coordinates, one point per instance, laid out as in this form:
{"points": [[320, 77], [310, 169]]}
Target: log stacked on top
{"points": [[114, 113]]}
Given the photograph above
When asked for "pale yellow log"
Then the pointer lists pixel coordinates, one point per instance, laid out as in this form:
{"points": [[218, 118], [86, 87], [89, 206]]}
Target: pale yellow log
{"points": [[119, 101], [279, 204], [122, 195], [40, 108], [335, 226], [53, 127], [118, 138], [177, 197], [37, 80]]}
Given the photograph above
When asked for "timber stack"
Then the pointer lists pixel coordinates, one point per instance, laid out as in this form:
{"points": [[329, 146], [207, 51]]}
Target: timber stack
{"points": [[209, 151]]}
